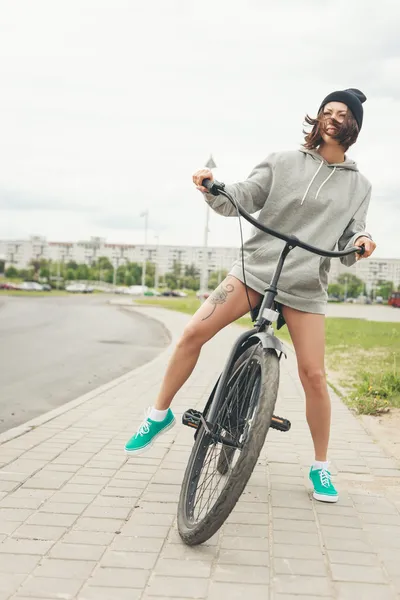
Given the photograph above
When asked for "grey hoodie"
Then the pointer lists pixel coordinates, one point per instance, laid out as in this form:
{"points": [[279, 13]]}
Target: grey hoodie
{"points": [[299, 193]]}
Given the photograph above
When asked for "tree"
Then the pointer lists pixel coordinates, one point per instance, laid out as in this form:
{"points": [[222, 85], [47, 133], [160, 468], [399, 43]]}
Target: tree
{"points": [[103, 263], [11, 273], [352, 284], [192, 271], [82, 272], [2, 265], [35, 263], [336, 290], [128, 279], [215, 278], [384, 289], [171, 281], [71, 264]]}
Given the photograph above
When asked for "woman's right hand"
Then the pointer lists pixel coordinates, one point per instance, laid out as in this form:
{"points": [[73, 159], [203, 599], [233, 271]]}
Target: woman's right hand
{"points": [[199, 177]]}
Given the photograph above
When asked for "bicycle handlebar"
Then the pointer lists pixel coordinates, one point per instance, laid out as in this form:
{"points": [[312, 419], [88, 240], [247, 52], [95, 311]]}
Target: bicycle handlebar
{"points": [[216, 188]]}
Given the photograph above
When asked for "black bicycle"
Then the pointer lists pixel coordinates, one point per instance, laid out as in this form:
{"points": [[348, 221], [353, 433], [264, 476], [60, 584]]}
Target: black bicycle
{"points": [[231, 430]]}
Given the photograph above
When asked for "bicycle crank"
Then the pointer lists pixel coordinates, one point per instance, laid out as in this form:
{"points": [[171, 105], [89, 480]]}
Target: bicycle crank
{"points": [[194, 418]]}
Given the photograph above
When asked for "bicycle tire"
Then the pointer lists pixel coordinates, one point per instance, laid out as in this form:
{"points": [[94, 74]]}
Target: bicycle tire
{"points": [[194, 531]]}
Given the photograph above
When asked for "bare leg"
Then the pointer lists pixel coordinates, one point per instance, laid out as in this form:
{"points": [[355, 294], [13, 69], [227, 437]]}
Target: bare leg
{"points": [[307, 331], [226, 304]]}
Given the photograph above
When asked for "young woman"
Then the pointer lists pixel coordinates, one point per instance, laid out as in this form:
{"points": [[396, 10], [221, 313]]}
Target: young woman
{"points": [[317, 194]]}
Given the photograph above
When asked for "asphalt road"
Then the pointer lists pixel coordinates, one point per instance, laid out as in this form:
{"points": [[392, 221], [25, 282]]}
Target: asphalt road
{"points": [[54, 349]]}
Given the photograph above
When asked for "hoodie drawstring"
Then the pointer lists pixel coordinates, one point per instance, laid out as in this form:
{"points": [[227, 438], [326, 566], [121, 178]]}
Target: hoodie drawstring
{"points": [[326, 180], [311, 182], [322, 184]]}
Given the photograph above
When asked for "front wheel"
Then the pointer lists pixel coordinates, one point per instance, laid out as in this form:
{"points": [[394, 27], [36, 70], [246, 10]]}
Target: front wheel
{"points": [[217, 473]]}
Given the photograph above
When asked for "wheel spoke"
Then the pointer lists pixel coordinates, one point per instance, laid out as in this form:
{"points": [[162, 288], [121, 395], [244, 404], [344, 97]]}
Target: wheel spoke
{"points": [[241, 394]]}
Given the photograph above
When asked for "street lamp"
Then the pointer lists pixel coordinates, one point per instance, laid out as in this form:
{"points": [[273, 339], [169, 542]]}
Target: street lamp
{"points": [[210, 164], [144, 214], [157, 238]]}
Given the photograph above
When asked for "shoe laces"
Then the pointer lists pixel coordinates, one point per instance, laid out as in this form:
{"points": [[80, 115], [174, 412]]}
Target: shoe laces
{"points": [[144, 427], [325, 477]]}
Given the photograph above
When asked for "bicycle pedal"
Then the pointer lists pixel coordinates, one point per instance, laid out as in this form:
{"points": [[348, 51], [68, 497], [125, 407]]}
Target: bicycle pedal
{"points": [[192, 418], [280, 424]]}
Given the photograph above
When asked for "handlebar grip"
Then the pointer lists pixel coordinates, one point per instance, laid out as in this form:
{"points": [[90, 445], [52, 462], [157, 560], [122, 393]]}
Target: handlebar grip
{"points": [[213, 187], [361, 250], [207, 183]]}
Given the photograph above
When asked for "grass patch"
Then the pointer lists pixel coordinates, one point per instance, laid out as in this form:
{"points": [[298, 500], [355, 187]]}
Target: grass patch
{"points": [[26, 293], [376, 393], [363, 357]]}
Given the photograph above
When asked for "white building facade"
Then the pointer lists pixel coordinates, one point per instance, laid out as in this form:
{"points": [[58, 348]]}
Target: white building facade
{"points": [[19, 253]]}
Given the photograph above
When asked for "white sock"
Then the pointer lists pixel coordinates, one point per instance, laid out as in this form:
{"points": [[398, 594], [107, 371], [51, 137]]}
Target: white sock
{"points": [[320, 464], [157, 415]]}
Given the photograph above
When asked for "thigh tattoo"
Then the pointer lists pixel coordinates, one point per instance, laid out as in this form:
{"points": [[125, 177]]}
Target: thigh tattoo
{"points": [[219, 296]]}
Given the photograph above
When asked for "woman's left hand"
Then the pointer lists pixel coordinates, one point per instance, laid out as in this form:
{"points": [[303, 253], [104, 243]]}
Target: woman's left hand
{"points": [[369, 246]]}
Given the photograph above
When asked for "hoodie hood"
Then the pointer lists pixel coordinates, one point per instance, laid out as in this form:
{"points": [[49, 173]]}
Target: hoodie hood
{"points": [[348, 164]]}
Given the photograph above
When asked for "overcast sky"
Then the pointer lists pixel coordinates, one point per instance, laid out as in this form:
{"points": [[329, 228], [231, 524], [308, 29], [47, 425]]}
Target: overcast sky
{"points": [[108, 106]]}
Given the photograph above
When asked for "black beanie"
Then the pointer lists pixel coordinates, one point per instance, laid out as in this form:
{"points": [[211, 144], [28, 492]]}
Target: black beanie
{"points": [[352, 98]]}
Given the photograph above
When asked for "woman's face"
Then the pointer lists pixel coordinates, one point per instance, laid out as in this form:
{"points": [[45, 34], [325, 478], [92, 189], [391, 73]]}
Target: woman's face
{"points": [[334, 111]]}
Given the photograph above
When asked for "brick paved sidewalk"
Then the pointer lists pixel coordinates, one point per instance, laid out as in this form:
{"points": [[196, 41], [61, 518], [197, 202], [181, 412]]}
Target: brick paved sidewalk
{"points": [[79, 520]]}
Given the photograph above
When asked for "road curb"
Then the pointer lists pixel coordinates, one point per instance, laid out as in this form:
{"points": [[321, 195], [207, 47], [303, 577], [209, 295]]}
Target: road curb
{"points": [[20, 430]]}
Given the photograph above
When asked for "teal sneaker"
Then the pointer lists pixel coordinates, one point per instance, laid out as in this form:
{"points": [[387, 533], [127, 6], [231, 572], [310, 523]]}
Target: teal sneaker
{"points": [[324, 490], [148, 431]]}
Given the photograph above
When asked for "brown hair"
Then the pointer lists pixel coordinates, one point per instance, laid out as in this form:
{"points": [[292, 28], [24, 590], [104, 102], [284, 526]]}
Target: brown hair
{"points": [[347, 132]]}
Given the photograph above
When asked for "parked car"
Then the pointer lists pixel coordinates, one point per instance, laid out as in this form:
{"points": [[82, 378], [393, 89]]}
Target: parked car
{"points": [[7, 285], [78, 288], [31, 286], [152, 293], [170, 293], [394, 300]]}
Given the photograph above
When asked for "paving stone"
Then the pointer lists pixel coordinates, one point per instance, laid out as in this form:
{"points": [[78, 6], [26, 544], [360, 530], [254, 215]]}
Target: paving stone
{"points": [[340, 521], [293, 525], [353, 558], [95, 538], [98, 524], [364, 591], [51, 519], [297, 551], [17, 563], [236, 591], [241, 530], [363, 574], [248, 518], [180, 551], [76, 551], [139, 517], [297, 566], [65, 569], [58, 508], [243, 557], [40, 532], [148, 531], [347, 545], [137, 544], [10, 582], [303, 584], [47, 587], [179, 568], [293, 514], [179, 587], [241, 573], [118, 577], [129, 560], [109, 593]]}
